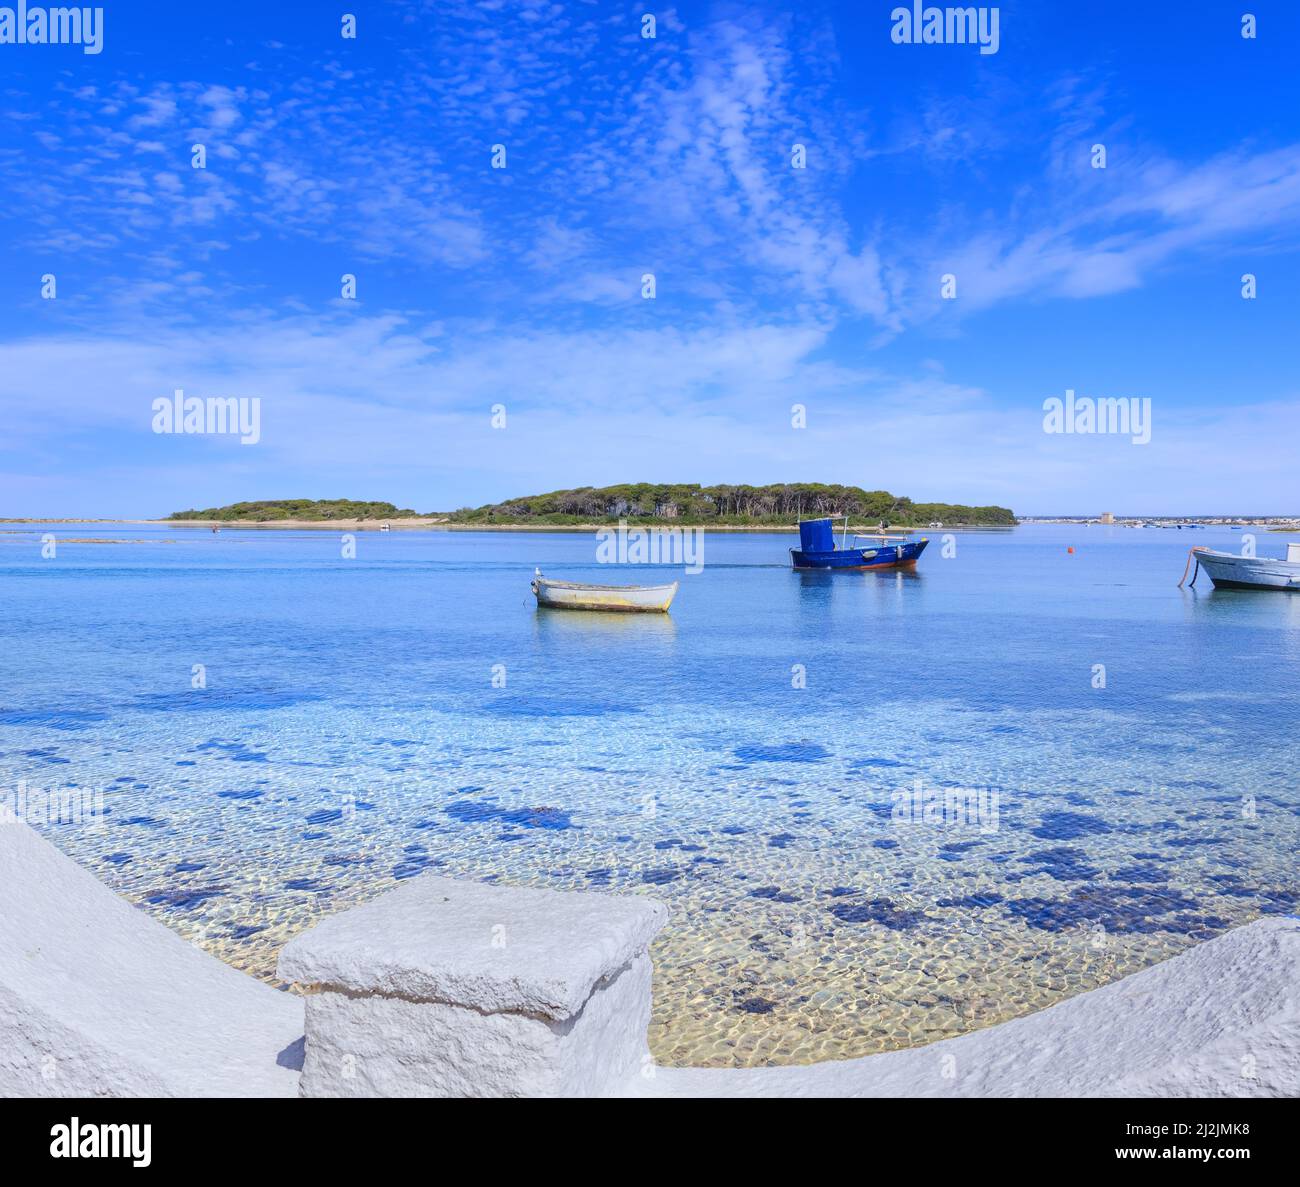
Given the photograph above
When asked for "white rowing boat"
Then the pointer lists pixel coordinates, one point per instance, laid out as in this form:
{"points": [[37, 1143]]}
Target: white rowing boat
{"points": [[577, 595], [1231, 571]]}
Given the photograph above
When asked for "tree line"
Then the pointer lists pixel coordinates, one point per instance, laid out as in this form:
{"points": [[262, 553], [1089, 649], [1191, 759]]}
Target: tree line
{"points": [[727, 503], [268, 510]]}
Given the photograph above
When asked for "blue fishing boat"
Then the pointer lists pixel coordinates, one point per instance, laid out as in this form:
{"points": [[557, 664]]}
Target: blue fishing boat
{"points": [[880, 551]]}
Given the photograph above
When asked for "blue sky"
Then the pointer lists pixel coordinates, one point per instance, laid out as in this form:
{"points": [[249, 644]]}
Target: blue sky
{"points": [[774, 286]]}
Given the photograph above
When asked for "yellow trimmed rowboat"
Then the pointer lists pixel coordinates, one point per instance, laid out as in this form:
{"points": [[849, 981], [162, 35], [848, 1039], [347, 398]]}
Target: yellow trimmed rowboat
{"points": [[576, 595]]}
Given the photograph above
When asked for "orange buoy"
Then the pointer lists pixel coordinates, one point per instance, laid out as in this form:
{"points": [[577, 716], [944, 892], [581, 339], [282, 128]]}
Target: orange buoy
{"points": [[1070, 549]]}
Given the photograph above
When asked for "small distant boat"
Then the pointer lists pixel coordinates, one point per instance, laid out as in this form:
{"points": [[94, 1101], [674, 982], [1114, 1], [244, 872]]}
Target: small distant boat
{"points": [[627, 599], [1228, 570], [817, 548], [383, 527]]}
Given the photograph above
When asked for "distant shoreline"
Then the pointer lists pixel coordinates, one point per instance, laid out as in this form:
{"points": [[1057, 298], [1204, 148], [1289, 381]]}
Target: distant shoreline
{"points": [[438, 524], [442, 525]]}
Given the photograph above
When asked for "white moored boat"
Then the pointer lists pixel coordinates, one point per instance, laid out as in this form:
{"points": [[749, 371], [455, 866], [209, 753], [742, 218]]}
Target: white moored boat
{"points": [[576, 595], [1229, 570]]}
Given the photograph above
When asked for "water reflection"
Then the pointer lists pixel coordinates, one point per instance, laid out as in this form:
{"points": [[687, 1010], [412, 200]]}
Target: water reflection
{"points": [[819, 588], [1254, 607], [549, 623]]}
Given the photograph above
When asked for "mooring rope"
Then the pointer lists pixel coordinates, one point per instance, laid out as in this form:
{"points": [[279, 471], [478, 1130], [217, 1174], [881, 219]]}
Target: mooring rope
{"points": [[1191, 552]]}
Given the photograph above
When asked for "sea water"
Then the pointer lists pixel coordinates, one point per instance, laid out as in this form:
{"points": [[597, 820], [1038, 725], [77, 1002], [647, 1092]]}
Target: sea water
{"points": [[883, 809]]}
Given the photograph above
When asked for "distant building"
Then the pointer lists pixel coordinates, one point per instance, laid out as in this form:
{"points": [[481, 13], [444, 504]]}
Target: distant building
{"points": [[1107, 517]]}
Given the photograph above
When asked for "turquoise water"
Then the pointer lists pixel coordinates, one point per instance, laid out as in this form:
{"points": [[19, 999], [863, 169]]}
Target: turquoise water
{"points": [[354, 731]]}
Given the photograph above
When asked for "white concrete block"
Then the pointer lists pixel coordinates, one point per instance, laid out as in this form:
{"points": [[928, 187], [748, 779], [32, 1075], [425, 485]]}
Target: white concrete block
{"points": [[445, 988]]}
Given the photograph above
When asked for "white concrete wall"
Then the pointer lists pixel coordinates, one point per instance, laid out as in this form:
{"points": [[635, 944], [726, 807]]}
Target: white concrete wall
{"points": [[1222, 1019], [411, 988], [98, 999], [450, 988]]}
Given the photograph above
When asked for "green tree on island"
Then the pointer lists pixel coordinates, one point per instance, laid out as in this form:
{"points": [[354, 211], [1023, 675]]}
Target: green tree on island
{"points": [[306, 509], [778, 504], [690, 503]]}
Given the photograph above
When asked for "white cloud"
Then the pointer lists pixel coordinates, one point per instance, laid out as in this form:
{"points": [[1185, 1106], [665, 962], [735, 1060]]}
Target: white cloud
{"points": [[369, 406]]}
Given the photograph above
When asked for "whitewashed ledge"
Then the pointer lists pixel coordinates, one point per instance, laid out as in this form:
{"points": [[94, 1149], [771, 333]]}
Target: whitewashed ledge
{"points": [[460, 988], [446, 988], [98, 999]]}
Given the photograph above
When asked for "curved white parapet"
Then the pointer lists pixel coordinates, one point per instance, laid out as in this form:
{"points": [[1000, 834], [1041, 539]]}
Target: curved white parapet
{"points": [[98, 999], [458, 988], [1220, 1020], [446, 988]]}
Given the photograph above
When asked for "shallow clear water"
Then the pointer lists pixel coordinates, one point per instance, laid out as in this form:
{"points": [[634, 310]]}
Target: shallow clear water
{"points": [[350, 734]]}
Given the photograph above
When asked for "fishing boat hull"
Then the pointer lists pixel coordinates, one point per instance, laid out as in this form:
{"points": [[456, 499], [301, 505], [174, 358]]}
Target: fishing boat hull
{"points": [[817, 548], [619, 599], [1229, 571], [902, 555]]}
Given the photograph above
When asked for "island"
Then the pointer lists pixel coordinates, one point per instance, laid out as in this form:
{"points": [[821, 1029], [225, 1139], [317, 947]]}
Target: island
{"points": [[299, 510], [722, 506]]}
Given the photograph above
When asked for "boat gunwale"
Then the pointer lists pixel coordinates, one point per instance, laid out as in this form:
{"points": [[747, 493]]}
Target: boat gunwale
{"points": [[910, 563], [1248, 561], [673, 585]]}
